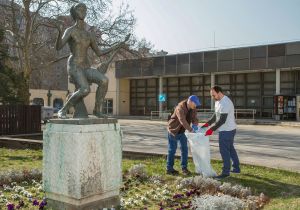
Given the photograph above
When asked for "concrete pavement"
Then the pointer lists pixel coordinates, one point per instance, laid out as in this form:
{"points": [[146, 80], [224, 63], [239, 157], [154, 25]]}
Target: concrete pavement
{"points": [[264, 145]]}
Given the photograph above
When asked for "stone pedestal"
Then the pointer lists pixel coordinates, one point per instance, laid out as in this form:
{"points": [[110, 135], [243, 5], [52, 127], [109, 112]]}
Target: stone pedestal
{"points": [[82, 163]]}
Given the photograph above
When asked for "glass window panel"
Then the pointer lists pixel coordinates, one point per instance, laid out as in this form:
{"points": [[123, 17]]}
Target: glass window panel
{"points": [[151, 90], [151, 101], [132, 83], [38, 101], [197, 88], [184, 80], [140, 95], [141, 102], [223, 79], [141, 83], [184, 94], [140, 90], [173, 94], [133, 101], [196, 80], [268, 102], [172, 81], [173, 89], [240, 78], [253, 86], [172, 102], [151, 94], [287, 76], [269, 76], [151, 82], [185, 88], [253, 92], [239, 101], [253, 102], [254, 77], [269, 86], [206, 79]]}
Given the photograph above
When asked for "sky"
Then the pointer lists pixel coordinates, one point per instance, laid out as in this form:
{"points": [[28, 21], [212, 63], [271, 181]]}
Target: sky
{"points": [[178, 26]]}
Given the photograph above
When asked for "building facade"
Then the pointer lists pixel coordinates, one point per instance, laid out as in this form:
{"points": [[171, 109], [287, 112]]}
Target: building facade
{"points": [[250, 76]]}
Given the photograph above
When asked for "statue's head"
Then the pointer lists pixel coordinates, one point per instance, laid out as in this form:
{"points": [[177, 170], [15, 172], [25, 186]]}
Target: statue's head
{"points": [[78, 11]]}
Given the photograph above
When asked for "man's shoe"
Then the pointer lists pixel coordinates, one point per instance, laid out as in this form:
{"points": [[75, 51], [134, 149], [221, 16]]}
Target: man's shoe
{"points": [[172, 172], [185, 171], [235, 171], [222, 176]]}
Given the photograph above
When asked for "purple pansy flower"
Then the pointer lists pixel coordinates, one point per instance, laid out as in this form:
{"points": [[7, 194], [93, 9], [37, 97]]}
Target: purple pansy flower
{"points": [[35, 203], [10, 206]]}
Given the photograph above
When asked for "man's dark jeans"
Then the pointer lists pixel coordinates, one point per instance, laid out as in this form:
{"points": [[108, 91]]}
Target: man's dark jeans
{"points": [[227, 150], [172, 147]]}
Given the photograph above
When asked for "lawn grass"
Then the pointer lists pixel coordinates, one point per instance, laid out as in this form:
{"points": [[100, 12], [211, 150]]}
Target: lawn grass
{"points": [[283, 187]]}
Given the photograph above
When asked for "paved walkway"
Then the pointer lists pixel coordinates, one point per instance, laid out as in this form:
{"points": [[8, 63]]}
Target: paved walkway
{"points": [[265, 145]]}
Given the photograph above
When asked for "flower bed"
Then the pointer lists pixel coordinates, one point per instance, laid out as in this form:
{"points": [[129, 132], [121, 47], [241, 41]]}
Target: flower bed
{"points": [[141, 191], [24, 195]]}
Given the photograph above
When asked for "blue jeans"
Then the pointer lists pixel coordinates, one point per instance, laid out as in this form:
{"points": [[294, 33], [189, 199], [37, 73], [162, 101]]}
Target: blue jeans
{"points": [[172, 147], [227, 150]]}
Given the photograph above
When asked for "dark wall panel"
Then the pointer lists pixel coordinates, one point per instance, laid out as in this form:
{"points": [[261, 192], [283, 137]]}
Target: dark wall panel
{"points": [[293, 60], [210, 66], [276, 50], [210, 56], [258, 63], [241, 53], [241, 64], [128, 68], [183, 69], [196, 68], [170, 65], [158, 66], [258, 52], [196, 57], [276, 62], [225, 65], [183, 64], [225, 54], [147, 67], [293, 48]]}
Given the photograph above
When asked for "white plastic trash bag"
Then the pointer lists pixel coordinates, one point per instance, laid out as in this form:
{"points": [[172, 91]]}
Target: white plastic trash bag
{"points": [[199, 144]]}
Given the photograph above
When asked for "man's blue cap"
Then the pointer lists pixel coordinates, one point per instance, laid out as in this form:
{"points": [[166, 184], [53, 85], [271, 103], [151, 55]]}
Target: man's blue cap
{"points": [[195, 99]]}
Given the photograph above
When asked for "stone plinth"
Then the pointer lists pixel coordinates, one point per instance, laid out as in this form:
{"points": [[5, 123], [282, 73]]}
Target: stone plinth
{"points": [[82, 163]]}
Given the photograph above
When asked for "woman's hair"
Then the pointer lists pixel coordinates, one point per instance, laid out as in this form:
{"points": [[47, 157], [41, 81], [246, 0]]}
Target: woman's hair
{"points": [[73, 9], [217, 89]]}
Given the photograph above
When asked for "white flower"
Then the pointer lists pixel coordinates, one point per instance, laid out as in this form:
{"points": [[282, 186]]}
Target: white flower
{"points": [[16, 197]]}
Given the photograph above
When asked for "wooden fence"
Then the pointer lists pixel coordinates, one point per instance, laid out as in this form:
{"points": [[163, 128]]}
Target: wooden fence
{"points": [[20, 119]]}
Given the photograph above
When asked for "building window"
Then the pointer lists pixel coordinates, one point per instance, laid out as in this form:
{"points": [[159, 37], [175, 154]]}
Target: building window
{"points": [[57, 104], [108, 106], [38, 101]]}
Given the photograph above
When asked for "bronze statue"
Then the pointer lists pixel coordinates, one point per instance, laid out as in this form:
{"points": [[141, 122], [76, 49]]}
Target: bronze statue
{"points": [[79, 68]]}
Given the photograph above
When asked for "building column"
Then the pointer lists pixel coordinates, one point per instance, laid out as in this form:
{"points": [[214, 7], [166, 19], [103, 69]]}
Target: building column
{"points": [[160, 92], [212, 83], [117, 98], [277, 81]]}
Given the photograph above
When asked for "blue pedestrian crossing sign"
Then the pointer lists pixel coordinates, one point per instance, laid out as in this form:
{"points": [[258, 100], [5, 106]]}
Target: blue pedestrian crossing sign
{"points": [[162, 97]]}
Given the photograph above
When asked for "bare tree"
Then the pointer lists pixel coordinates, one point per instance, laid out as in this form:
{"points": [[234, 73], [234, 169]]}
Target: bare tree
{"points": [[31, 25]]}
